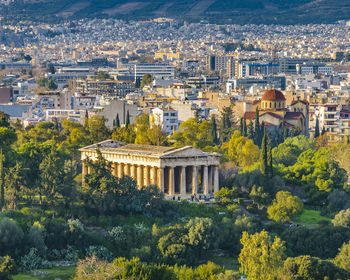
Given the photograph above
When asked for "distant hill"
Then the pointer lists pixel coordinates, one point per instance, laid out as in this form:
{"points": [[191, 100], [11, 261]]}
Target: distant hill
{"points": [[219, 11]]}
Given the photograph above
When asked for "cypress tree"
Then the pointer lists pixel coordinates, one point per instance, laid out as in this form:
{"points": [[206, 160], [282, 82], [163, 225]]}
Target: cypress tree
{"points": [[250, 133], [317, 128], [244, 127], [127, 121], [241, 127], [117, 121], [264, 154], [262, 129], [86, 119], [214, 130], [269, 161], [113, 124], [2, 187], [284, 131], [257, 132]]}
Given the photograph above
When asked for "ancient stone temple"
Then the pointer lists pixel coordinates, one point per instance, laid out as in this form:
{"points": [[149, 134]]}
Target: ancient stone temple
{"points": [[178, 172]]}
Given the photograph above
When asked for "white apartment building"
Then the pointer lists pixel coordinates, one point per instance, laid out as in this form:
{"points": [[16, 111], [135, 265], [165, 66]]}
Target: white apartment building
{"points": [[334, 119], [167, 118], [61, 115], [156, 70]]}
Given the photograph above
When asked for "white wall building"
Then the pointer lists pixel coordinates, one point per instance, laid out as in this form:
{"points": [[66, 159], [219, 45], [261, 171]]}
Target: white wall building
{"points": [[167, 118]]}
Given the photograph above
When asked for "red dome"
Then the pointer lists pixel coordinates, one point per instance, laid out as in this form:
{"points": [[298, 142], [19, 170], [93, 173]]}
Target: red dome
{"points": [[273, 95]]}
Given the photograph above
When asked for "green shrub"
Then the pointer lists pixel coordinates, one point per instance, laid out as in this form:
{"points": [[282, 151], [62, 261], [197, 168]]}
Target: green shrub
{"points": [[7, 267], [11, 237], [100, 252], [33, 261]]}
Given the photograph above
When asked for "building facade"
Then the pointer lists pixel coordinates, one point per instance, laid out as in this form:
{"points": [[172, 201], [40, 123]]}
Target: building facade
{"points": [[178, 172]]}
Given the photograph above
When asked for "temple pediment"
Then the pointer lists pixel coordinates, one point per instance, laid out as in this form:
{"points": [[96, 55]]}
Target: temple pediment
{"points": [[187, 151]]}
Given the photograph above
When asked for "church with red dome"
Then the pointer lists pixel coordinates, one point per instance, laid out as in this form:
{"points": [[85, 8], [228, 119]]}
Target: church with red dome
{"points": [[273, 111]]}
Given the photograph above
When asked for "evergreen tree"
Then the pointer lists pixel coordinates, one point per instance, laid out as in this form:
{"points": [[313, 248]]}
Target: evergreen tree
{"points": [[285, 131], [269, 161], [2, 185], [257, 132], [117, 121], [250, 133], [264, 154], [127, 121], [317, 128], [226, 125], [241, 127], [86, 119], [214, 131], [244, 127]]}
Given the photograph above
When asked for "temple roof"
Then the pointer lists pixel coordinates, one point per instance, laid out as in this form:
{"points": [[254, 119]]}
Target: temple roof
{"points": [[111, 146]]}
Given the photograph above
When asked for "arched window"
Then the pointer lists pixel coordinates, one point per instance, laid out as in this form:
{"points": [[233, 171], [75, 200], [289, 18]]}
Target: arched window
{"points": [[274, 103], [270, 104]]}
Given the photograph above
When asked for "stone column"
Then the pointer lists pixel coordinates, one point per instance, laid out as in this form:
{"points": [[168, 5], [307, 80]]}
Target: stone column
{"points": [[139, 176], [195, 180], [133, 171], [127, 169], [160, 178], [115, 169], [205, 180], [146, 175], [153, 175], [210, 186], [183, 180], [171, 181], [120, 170], [216, 179]]}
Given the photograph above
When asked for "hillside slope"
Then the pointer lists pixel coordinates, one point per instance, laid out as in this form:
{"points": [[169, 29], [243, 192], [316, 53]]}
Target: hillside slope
{"points": [[219, 11]]}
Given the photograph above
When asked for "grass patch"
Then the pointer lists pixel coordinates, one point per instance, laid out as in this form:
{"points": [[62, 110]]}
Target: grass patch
{"points": [[62, 272], [311, 218]]}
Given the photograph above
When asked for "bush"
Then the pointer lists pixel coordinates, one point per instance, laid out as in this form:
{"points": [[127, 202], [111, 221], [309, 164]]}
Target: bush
{"points": [[35, 237], [33, 261], [100, 252], [11, 237], [342, 219], [7, 267]]}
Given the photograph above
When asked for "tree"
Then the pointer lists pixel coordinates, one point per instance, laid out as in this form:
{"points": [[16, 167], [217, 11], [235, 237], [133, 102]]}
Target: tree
{"points": [[117, 121], [288, 152], [127, 121], [146, 80], [11, 236], [242, 150], [343, 258], [342, 219], [264, 167], [311, 268], [14, 180], [214, 131], [226, 124], [102, 76], [317, 128], [7, 267], [261, 258], [98, 129], [244, 127], [269, 161], [250, 133], [257, 132], [198, 135], [51, 176], [2, 183], [285, 207]]}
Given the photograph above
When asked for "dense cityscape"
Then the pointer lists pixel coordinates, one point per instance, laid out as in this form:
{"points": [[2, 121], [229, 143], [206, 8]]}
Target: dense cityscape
{"points": [[173, 149]]}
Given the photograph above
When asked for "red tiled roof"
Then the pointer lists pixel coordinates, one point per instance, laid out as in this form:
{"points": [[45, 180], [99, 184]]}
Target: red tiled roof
{"points": [[250, 115], [273, 115], [273, 94], [293, 115]]}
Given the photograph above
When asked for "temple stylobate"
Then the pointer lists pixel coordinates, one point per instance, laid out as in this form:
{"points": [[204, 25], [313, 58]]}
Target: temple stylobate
{"points": [[178, 172]]}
